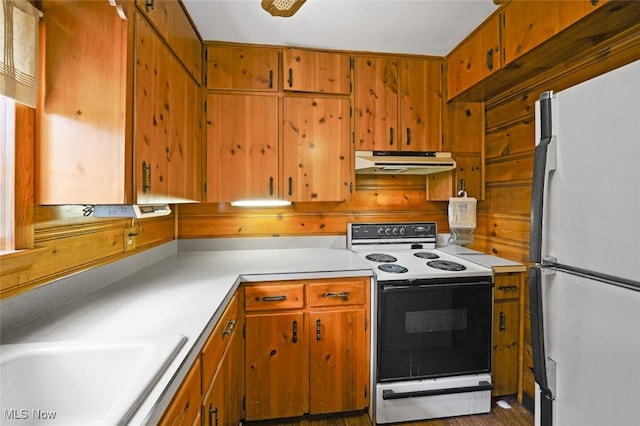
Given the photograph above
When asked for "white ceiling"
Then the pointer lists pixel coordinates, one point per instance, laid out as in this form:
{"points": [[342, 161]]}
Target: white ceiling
{"points": [[424, 27]]}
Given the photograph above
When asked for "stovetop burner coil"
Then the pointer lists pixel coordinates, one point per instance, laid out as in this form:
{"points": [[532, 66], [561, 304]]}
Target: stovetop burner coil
{"points": [[380, 257], [446, 265], [393, 268], [426, 255]]}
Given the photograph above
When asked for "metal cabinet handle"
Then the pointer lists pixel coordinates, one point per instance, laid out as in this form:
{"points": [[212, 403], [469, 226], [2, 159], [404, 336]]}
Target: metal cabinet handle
{"points": [[213, 411], [390, 135], [408, 136], [270, 79], [149, 4], [270, 185], [344, 295], [278, 298], [490, 59], [503, 321], [318, 330], [146, 177], [294, 339], [290, 80], [228, 329], [508, 288], [290, 185]]}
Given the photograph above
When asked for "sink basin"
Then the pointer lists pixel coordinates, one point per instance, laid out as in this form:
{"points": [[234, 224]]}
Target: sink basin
{"points": [[100, 382]]}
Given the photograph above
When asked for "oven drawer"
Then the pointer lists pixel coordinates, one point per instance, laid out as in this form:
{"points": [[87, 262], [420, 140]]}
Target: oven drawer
{"points": [[433, 398], [337, 292], [274, 296]]}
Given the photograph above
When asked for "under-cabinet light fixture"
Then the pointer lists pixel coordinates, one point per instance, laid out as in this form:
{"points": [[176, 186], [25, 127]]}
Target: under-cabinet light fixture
{"points": [[260, 203]]}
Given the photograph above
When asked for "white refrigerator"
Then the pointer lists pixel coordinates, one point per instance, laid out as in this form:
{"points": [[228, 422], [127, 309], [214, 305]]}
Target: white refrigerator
{"points": [[585, 242]]}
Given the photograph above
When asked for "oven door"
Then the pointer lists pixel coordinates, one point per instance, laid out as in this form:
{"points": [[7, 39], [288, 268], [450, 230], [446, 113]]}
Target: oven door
{"points": [[429, 329]]}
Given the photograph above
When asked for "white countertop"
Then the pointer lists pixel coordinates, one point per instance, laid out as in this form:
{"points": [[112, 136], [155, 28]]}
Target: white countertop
{"points": [[185, 294]]}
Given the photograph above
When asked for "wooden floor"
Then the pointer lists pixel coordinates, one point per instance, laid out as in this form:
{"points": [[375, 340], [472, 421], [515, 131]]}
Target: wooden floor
{"points": [[517, 415]]}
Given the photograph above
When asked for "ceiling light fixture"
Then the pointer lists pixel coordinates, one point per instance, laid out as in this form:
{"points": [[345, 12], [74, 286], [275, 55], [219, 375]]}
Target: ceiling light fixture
{"points": [[284, 8]]}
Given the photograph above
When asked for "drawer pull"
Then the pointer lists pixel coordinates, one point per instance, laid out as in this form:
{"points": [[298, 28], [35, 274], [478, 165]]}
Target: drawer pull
{"points": [[213, 411], [231, 324], [295, 332], [279, 298], [508, 288], [344, 295]]}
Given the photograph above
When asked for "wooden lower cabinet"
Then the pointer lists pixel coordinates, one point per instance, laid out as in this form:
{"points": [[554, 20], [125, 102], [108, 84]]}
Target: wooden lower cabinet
{"points": [[310, 359], [506, 333], [277, 365], [185, 408], [222, 404]]}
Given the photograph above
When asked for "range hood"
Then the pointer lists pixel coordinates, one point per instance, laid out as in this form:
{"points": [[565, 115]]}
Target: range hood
{"points": [[403, 162]]}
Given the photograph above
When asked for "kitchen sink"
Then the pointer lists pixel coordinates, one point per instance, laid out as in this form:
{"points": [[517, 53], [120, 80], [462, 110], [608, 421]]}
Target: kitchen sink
{"points": [[98, 382]]}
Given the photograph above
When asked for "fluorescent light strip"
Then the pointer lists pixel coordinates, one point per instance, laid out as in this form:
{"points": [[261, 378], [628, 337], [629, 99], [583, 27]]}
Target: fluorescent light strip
{"points": [[260, 203]]}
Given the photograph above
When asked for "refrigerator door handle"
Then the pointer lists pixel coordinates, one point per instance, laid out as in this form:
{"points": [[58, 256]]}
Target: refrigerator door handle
{"points": [[544, 162], [537, 342]]}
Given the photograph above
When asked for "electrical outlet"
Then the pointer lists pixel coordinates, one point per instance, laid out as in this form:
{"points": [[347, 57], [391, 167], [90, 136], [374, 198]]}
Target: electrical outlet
{"points": [[129, 239]]}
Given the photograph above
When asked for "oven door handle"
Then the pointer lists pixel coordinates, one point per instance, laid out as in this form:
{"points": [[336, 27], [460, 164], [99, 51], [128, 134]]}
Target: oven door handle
{"points": [[482, 386]]}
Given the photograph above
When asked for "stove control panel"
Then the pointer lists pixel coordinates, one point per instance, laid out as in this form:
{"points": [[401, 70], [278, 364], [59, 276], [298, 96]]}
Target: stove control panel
{"points": [[392, 231]]}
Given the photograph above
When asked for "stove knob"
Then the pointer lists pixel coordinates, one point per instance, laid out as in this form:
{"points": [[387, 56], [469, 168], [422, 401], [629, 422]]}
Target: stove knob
{"points": [[387, 231], [395, 231], [403, 231], [380, 232]]}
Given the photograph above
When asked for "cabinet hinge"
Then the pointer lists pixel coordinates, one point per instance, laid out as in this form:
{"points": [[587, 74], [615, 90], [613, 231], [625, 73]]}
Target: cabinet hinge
{"points": [[205, 80], [205, 187], [366, 323], [244, 331], [205, 106], [365, 391], [353, 138], [244, 402], [351, 192], [352, 62]]}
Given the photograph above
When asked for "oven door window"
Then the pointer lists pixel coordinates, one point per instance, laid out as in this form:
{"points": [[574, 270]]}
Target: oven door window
{"points": [[434, 330]]}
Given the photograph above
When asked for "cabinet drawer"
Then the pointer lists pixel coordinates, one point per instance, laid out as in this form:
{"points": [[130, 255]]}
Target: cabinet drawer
{"points": [[218, 340], [185, 406], [507, 286], [274, 296], [337, 292]]}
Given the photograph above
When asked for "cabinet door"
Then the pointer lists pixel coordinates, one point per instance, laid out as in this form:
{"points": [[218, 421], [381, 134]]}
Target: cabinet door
{"points": [[174, 26], [526, 25], [420, 105], [317, 149], [276, 366], [82, 140], [242, 147], [242, 68], [475, 58], [185, 405], [318, 72], [165, 138], [338, 376], [376, 103], [505, 347]]}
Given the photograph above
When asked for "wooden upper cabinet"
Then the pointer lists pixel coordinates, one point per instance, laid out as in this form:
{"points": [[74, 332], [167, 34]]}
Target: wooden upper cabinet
{"points": [[317, 149], [172, 23], [478, 56], [117, 111], [526, 25], [242, 68], [242, 147], [316, 72], [420, 105], [83, 105], [398, 103], [168, 132], [376, 103]]}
